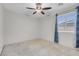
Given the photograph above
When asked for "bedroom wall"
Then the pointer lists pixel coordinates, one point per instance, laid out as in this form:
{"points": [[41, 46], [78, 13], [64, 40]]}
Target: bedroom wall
{"points": [[48, 28], [1, 28], [18, 28]]}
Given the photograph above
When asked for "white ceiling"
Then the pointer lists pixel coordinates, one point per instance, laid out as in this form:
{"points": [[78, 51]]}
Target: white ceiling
{"points": [[20, 8]]}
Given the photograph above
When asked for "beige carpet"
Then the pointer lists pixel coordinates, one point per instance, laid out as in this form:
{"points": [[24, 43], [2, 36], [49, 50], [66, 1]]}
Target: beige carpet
{"points": [[37, 48]]}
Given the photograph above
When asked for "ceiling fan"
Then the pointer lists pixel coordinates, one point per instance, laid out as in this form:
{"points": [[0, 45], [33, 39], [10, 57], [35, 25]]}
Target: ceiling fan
{"points": [[39, 9]]}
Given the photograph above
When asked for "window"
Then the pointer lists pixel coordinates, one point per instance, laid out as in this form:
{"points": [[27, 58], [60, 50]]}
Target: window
{"points": [[66, 22]]}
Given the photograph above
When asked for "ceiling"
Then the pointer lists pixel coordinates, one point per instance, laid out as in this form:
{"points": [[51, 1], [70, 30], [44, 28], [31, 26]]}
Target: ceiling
{"points": [[20, 8]]}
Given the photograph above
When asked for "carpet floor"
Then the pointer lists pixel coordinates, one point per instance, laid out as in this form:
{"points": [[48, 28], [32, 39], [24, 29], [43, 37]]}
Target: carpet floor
{"points": [[38, 48]]}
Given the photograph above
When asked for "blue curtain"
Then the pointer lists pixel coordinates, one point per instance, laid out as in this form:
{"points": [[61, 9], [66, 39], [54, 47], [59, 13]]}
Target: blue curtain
{"points": [[56, 31], [77, 28]]}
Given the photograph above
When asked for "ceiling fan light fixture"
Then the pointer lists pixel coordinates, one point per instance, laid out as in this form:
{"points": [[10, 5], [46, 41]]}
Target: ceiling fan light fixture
{"points": [[39, 8], [38, 11]]}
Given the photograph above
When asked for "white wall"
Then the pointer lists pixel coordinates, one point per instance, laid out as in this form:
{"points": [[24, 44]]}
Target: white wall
{"points": [[1, 28], [19, 28], [48, 28]]}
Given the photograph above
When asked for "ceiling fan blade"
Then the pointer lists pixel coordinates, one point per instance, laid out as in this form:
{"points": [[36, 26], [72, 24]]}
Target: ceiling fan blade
{"points": [[30, 8], [46, 8], [35, 12], [42, 12]]}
